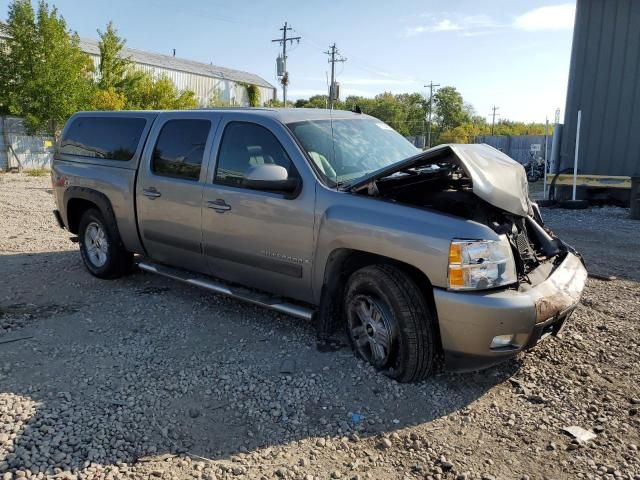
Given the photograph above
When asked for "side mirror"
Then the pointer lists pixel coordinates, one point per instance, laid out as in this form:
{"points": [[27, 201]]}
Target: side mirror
{"points": [[270, 177]]}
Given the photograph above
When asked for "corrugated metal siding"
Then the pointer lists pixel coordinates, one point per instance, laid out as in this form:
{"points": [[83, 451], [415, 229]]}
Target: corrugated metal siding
{"points": [[517, 147], [604, 84], [32, 151]]}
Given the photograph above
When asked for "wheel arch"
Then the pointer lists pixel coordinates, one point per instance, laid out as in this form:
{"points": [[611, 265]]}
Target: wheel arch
{"points": [[341, 263], [78, 200]]}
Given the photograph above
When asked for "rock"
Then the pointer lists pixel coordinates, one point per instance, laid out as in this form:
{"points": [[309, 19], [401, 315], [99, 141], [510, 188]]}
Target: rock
{"points": [[579, 433], [385, 444], [336, 474], [446, 466]]}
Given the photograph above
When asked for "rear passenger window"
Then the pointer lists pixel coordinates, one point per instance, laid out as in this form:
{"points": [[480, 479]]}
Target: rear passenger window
{"points": [[111, 138], [245, 145], [180, 148]]}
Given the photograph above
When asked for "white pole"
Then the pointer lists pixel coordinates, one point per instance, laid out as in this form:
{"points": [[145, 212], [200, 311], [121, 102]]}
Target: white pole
{"points": [[575, 160], [546, 129]]}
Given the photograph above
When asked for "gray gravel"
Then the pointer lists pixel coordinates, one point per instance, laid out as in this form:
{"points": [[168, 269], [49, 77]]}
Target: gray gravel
{"points": [[145, 378]]}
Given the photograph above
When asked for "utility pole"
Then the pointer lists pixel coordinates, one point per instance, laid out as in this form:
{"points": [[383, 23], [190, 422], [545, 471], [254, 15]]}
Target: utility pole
{"points": [[333, 90], [283, 42], [431, 85], [493, 121]]}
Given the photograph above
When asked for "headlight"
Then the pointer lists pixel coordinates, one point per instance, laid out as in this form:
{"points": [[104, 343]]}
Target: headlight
{"points": [[481, 264]]}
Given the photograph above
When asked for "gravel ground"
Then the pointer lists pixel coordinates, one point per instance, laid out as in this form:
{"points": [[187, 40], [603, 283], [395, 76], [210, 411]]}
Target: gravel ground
{"points": [[143, 377]]}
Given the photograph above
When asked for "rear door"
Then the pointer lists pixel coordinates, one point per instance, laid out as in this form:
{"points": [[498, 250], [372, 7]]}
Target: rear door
{"points": [[262, 239], [170, 187]]}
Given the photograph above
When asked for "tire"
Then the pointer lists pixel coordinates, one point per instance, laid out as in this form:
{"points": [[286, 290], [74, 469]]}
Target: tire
{"points": [[383, 301], [101, 248]]}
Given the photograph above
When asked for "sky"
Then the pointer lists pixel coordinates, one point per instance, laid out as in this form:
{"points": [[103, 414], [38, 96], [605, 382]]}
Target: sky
{"points": [[513, 54]]}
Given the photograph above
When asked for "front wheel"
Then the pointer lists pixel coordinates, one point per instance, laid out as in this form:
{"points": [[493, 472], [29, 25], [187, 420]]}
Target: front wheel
{"points": [[389, 323], [101, 248]]}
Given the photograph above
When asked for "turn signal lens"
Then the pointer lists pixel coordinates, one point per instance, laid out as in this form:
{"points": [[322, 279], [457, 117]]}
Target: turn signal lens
{"points": [[455, 253], [481, 264]]}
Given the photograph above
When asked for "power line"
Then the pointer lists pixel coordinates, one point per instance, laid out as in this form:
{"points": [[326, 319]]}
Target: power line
{"points": [[333, 89], [431, 85], [285, 75]]}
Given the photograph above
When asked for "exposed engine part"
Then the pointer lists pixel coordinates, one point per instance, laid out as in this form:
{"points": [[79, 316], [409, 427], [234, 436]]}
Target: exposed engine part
{"points": [[548, 245], [445, 187]]}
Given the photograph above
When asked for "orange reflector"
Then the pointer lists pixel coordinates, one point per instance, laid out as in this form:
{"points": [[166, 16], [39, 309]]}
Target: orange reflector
{"points": [[455, 254], [456, 278]]}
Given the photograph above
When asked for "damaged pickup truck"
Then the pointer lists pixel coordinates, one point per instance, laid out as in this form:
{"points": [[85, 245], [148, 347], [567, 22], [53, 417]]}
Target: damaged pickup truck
{"points": [[328, 216]]}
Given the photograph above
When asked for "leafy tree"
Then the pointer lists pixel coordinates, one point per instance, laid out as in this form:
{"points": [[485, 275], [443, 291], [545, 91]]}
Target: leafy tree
{"points": [[450, 108], [44, 76], [113, 67], [121, 86], [253, 92], [108, 99], [160, 94]]}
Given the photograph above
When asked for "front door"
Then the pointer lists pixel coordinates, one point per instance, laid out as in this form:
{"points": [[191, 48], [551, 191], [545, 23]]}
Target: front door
{"points": [[170, 186], [262, 239]]}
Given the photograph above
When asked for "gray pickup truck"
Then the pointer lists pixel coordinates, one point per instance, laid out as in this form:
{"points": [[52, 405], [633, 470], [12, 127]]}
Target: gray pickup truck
{"points": [[423, 257]]}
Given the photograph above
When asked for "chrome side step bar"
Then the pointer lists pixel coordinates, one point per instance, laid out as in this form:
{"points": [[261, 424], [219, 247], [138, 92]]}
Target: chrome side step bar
{"points": [[244, 294]]}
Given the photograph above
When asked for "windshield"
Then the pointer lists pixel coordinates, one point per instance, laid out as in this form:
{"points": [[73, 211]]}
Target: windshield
{"points": [[356, 148]]}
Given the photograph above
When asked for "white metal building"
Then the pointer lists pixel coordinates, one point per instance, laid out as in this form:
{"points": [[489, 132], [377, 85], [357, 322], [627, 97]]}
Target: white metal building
{"points": [[202, 78]]}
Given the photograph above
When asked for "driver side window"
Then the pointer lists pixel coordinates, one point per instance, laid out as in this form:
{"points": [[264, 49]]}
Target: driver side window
{"points": [[245, 145]]}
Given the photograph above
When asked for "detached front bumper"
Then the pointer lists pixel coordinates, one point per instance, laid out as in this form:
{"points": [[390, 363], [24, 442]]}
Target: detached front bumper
{"points": [[470, 321]]}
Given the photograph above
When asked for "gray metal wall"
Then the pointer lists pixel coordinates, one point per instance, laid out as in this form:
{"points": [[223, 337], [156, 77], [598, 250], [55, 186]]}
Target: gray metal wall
{"points": [[517, 147], [19, 150], [604, 82]]}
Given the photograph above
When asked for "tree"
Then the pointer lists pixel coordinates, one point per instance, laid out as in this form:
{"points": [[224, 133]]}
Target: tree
{"points": [[450, 108], [121, 86], [160, 94], [253, 92], [113, 67], [44, 76], [108, 99]]}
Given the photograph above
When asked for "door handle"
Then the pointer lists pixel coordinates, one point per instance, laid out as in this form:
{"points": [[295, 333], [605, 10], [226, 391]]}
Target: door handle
{"points": [[151, 192], [219, 205]]}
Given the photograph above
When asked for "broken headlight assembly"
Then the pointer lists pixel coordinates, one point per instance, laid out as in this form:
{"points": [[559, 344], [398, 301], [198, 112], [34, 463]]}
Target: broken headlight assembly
{"points": [[481, 264]]}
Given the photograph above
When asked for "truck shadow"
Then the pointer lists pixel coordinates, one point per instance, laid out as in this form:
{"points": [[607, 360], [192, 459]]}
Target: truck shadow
{"points": [[111, 371]]}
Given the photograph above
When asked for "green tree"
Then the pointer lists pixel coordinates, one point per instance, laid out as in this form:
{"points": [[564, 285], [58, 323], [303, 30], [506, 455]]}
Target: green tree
{"points": [[160, 94], [449, 108], [108, 99], [44, 76], [114, 68], [253, 92]]}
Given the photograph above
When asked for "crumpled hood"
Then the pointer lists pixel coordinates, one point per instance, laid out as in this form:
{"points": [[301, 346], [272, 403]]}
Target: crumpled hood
{"points": [[497, 179]]}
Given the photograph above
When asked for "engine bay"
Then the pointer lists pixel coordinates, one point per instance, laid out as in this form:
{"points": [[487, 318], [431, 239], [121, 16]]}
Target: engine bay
{"points": [[443, 186]]}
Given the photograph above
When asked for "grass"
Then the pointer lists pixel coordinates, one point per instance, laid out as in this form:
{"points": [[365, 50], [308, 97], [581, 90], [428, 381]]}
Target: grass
{"points": [[37, 172]]}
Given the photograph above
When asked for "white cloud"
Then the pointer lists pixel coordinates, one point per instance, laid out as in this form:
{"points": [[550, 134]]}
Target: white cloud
{"points": [[466, 24], [552, 17]]}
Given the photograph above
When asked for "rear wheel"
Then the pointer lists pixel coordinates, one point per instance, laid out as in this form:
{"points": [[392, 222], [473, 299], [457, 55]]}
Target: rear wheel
{"points": [[101, 248], [389, 323]]}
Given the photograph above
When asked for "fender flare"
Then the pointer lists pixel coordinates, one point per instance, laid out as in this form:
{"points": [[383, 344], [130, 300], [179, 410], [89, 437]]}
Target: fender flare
{"points": [[97, 198]]}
